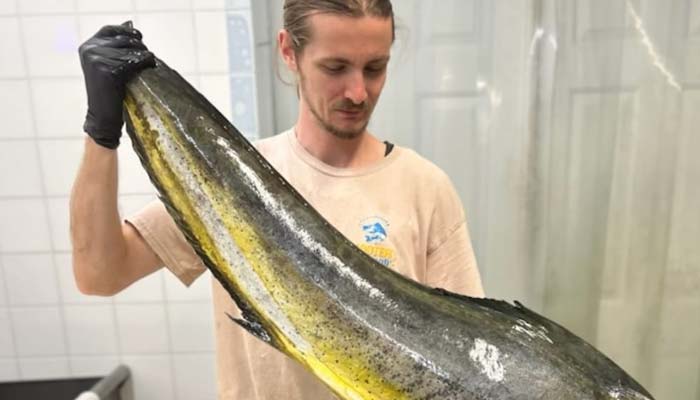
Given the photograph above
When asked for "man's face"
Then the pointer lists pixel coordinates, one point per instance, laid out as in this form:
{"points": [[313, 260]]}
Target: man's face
{"points": [[342, 71]]}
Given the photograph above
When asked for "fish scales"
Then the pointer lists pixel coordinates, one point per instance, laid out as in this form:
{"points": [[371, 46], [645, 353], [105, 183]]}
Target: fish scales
{"points": [[366, 331]]}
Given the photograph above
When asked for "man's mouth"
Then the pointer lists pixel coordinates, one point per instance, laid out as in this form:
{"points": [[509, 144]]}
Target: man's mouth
{"points": [[351, 113]]}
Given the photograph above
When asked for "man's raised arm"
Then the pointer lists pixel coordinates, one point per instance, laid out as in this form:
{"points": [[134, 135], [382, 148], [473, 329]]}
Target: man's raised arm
{"points": [[108, 255]]}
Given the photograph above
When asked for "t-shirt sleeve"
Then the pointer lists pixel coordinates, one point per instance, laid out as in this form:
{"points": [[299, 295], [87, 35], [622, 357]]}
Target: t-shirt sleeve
{"points": [[163, 236], [451, 263]]}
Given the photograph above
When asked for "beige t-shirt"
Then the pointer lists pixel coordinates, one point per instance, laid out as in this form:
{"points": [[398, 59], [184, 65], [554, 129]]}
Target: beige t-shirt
{"points": [[403, 211]]}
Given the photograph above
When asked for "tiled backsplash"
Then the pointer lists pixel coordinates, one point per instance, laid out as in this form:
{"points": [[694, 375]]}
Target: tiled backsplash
{"points": [[48, 329]]}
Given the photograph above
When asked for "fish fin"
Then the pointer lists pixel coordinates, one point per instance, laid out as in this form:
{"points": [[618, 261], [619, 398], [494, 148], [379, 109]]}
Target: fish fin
{"points": [[515, 310], [493, 304], [255, 328], [249, 321]]}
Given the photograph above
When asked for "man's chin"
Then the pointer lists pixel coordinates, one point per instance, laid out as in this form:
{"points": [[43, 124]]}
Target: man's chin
{"points": [[347, 132]]}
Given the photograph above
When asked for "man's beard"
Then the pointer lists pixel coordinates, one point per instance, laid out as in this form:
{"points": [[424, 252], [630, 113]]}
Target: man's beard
{"points": [[345, 105]]}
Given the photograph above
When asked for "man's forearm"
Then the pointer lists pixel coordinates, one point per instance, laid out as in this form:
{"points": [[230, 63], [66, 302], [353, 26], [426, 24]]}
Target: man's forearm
{"points": [[95, 224]]}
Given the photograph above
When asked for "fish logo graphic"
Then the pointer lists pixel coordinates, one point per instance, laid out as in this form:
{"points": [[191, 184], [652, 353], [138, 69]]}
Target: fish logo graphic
{"points": [[375, 230]]}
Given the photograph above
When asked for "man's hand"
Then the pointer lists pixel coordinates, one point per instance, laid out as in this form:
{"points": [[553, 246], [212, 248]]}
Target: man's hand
{"points": [[109, 59]]}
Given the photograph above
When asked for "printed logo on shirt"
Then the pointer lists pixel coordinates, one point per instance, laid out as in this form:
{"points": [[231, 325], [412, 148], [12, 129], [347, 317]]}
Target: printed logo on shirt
{"points": [[376, 231]]}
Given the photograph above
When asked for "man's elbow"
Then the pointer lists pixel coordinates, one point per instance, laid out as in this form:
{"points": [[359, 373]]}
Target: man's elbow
{"points": [[90, 281], [89, 288]]}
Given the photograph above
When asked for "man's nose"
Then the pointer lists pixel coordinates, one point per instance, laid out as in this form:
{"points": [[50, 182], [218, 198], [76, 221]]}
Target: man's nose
{"points": [[356, 89]]}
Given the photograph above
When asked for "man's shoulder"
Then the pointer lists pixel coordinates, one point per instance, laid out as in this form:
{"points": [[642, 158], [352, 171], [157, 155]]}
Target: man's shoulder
{"points": [[419, 167]]}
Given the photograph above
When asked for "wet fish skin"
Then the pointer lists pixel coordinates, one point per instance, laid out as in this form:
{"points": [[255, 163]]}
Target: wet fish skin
{"points": [[364, 330]]}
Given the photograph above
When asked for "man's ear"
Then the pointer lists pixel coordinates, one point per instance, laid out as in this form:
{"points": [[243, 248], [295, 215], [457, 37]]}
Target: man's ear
{"points": [[286, 49]]}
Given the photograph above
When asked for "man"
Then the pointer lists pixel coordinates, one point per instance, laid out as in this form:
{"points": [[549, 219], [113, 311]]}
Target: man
{"points": [[395, 205]]}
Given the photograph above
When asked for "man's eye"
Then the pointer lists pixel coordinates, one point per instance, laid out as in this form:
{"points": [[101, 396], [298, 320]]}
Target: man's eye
{"points": [[334, 69], [375, 70]]}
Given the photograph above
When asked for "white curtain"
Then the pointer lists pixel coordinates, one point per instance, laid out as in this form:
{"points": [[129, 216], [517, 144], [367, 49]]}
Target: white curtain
{"points": [[570, 128]]}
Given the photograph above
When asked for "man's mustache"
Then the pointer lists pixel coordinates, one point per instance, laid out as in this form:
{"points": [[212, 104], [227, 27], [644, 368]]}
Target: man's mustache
{"points": [[349, 106]]}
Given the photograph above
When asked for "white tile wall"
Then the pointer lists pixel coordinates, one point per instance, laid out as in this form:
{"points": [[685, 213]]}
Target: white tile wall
{"points": [[161, 5], [152, 376], [200, 290], [8, 7], [195, 376], [3, 292], [133, 179], [12, 62], [90, 24], [191, 326], [91, 329], [100, 6], [129, 204], [46, 6], [211, 42], [16, 108], [68, 290], [31, 279], [59, 163], [53, 96], [162, 330], [51, 45], [38, 331], [147, 289], [37, 368], [9, 370], [24, 226], [7, 344], [19, 156], [171, 37], [60, 223], [209, 4], [92, 365], [142, 328]]}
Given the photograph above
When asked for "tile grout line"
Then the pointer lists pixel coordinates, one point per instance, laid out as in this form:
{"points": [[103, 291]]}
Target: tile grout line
{"points": [[113, 302], [110, 303], [116, 303], [118, 337], [71, 371], [36, 139], [45, 202], [208, 72], [63, 196], [118, 13], [253, 74], [41, 139], [169, 335], [36, 149], [114, 354], [9, 317], [13, 334]]}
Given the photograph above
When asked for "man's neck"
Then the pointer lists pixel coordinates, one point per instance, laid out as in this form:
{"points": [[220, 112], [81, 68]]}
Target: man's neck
{"points": [[362, 151]]}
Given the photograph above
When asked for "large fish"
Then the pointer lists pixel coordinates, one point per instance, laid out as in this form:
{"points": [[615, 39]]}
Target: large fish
{"points": [[363, 329]]}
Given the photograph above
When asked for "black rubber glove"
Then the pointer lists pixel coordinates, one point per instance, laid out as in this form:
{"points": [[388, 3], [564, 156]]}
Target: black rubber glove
{"points": [[109, 59]]}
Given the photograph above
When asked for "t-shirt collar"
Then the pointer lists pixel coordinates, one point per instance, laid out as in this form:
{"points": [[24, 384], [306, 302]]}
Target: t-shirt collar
{"points": [[319, 165]]}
